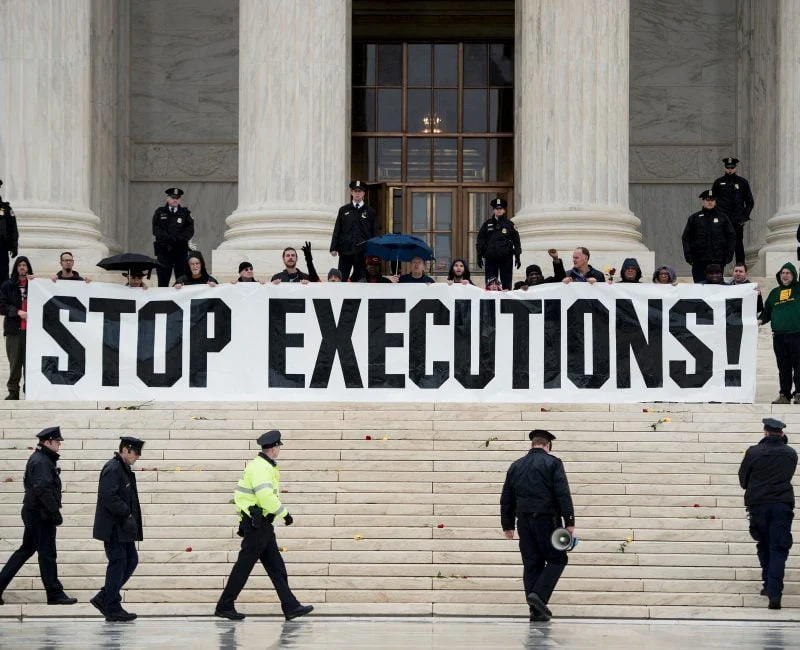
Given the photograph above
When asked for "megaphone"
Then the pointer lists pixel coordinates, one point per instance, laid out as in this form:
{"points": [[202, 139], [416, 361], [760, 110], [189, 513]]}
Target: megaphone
{"points": [[563, 540]]}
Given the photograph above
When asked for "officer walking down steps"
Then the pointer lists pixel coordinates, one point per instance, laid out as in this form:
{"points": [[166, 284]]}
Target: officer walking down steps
{"points": [[536, 495], [256, 498], [766, 477]]}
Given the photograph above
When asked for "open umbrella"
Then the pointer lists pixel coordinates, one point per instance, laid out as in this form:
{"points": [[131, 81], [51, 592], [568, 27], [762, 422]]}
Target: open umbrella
{"points": [[399, 248], [129, 262]]}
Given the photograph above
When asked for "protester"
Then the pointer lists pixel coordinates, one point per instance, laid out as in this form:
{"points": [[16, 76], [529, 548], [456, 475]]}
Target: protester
{"points": [[196, 272], [740, 277], [534, 275], [494, 284], [459, 272], [66, 260], [417, 273], [581, 270], [782, 309], [245, 273], [713, 274], [290, 271], [334, 275], [373, 273], [14, 306], [135, 280], [630, 271], [665, 275]]}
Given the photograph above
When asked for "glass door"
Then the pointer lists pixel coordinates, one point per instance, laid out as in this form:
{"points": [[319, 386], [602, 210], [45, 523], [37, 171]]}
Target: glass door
{"points": [[430, 216]]}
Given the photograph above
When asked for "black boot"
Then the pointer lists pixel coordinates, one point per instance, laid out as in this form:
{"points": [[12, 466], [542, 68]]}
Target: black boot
{"points": [[775, 603], [13, 395]]}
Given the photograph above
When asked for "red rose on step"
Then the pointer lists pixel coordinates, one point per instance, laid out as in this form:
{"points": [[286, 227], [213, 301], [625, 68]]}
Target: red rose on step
{"points": [[367, 437], [696, 505], [440, 525], [188, 549]]}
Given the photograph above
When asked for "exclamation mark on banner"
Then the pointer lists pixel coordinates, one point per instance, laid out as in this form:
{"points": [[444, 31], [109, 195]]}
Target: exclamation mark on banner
{"points": [[733, 340]]}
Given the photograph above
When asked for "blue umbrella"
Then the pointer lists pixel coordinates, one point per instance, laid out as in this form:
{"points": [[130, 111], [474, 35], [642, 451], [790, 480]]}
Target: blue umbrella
{"points": [[400, 248]]}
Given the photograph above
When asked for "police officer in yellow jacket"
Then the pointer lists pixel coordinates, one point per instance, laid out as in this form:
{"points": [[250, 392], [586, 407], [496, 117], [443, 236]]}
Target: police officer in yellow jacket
{"points": [[257, 498]]}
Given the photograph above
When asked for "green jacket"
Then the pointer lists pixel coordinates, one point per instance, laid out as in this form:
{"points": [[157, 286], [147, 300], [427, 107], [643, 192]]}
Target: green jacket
{"points": [[782, 306], [260, 485]]}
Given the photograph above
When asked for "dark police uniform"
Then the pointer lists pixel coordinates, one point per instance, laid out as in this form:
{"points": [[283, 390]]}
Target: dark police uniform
{"points": [[118, 524], [766, 476], [41, 513], [173, 228], [735, 199], [498, 244], [708, 238], [9, 236], [536, 494], [258, 502], [355, 224]]}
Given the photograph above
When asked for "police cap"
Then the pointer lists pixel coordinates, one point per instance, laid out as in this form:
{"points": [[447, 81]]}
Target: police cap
{"points": [[174, 192], [773, 426], [134, 444], [708, 195], [269, 439], [498, 203], [51, 433], [730, 162], [358, 185], [541, 433]]}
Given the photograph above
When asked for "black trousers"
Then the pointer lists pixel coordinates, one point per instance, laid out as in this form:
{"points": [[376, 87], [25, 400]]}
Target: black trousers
{"points": [[258, 544], [172, 261], [354, 263], [739, 248], [542, 564], [15, 351], [5, 261], [771, 527], [502, 269], [122, 561], [787, 355], [39, 537]]}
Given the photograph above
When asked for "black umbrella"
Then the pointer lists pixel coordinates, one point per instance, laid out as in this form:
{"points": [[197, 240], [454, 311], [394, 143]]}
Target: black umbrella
{"points": [[129, 262]]}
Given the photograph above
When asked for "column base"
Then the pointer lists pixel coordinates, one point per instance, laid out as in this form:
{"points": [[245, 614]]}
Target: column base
{"points": [[782, 242], [563, 228]]}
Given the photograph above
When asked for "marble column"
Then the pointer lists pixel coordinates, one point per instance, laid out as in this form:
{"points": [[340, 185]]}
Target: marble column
{"points": [[46, 128], [781, 239], [571, 130], [294, 129]]}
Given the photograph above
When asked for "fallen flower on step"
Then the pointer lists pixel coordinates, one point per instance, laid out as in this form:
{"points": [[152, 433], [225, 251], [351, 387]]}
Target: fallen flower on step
{"points": [[30, 448], [8, 479], [543, 409], [357, 537], [660, 421], [713, 517], [385, 438], [645, 410], [696, 505], [283, 549], [440, 525], [284, 490], [488, 440], [188, 549], [367, 437], [197, 417]]}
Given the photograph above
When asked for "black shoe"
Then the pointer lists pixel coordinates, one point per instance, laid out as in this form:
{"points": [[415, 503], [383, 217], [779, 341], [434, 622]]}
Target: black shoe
{"points": [[230, 614], [538, 618], [62, 599], [15, 395], [300, 611], [774, 603], [120, 616], [2, 602], [539, 605], [763, 592], [98, 604]]}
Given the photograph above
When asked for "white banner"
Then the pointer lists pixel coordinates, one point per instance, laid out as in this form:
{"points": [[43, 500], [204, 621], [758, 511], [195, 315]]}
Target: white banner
{"points": [[402, 343]]}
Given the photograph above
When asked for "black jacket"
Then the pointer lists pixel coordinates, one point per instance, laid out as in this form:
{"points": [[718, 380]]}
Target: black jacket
{"points": [[766, 472], [498, 239], [11, 299], [172, 231], [9, 235], [43, 484], [118, 509], [353, 227], [536, 484], [734, 197], [708, 237]]}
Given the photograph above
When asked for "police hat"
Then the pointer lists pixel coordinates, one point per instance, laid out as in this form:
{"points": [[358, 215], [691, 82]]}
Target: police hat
{"points": [[707, 194], [269, 439], [51, 433], [174, 192], [541, 433], [244, 265], [773, 426], [358, 185], [730, 162], [498, 203], [134, 444]]}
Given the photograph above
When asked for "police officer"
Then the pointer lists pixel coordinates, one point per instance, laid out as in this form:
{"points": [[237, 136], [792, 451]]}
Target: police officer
{"points": [[766, 477], [258, 503], [735, 199], [708, 237], [498, 243], [536, 495], [356, 222], [41, 514], [118, 524], [173, 228], [9, 236]]}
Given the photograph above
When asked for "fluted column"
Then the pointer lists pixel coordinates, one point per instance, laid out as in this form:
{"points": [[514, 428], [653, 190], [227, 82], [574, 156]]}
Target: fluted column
{"points": [[781, 238], [571, 126], [294, 88], [46, 127]]}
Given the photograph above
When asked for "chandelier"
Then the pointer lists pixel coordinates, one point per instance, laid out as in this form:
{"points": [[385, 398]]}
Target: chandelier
{"points": [[432, 123]]}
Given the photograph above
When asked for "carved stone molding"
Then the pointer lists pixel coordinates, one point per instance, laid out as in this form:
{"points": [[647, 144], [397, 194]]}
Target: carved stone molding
{"points": [[217, 162], [677, 164]]}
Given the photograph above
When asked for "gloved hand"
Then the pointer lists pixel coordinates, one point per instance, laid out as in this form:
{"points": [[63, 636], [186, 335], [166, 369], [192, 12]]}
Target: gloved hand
{"points": [[517, 262], [480, 262], [129, 525], [12, 254], [57, 518], [307, 250], [288, 520]]}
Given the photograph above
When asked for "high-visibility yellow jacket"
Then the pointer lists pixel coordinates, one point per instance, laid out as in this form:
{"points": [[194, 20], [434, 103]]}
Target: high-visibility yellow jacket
{"points": [[260, 485]]}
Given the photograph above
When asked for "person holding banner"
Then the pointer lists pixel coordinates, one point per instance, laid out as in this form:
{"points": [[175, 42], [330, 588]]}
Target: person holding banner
{"points": [[14, 306], [536, 497], [581, 270], [196, 272]]}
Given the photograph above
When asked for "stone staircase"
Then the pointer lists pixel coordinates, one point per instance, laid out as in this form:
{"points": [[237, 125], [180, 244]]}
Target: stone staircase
{"points": [[396, 507]]}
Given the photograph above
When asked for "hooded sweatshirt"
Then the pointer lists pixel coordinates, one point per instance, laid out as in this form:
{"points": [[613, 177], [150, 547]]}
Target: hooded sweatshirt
{"points": [[13, 297], [630, 263], [782, 306]]}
